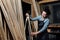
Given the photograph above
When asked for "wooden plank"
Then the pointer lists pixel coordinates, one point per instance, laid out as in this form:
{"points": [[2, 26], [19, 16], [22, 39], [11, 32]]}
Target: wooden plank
{"points": [[32, 11], [38, 8], [33, 15], [8, 35], [19, 14], [12, 15], [5, 30], [9, 22], [14, 19], [13, 3], [36, 12], [27, 1], [35, 7], [2, 35], [47, 1], [20, 17], [16, 5]]}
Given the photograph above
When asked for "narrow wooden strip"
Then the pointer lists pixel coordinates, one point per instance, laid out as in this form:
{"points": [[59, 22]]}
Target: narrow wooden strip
{"points": [[9, 22], [35, 7], [47, 1], [20, 17], [5, 29], [2, 35], [14, 20], [36, 12]]}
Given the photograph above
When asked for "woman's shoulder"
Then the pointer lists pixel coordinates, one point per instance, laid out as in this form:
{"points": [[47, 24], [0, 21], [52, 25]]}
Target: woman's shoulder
{"points": [[47, 19]]}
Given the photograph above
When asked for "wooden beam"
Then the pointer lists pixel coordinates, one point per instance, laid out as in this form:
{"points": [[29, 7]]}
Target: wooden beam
{"points": [[2, 34], [28, 1], [5, 29], [47, 1], [34, 3], [35, 7], [36, 12], [13, 3], [13, 28], [12, 20], [38, 8], [20, 17], [9, 21]]}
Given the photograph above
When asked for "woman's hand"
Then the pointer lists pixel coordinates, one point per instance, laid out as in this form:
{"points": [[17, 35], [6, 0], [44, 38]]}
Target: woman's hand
{"points": [[34, 33], [27, 15]]}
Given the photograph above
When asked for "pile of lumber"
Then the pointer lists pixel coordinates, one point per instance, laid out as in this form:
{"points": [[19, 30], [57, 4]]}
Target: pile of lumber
{"points": [[12, 24], [11, 19]]}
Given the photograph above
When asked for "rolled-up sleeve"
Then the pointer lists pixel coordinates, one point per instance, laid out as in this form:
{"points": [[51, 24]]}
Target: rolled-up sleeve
{"points": [[46, 23]]}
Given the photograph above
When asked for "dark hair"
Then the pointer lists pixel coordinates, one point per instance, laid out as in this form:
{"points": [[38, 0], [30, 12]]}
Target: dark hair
{"points": [[46, 9]]}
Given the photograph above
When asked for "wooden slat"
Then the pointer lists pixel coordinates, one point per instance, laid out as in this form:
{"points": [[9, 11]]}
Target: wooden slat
{"points": [[13, 3], [35, 7], [5, 30], [13, 20], [34, 3], [47, 1], [9, 21], [20, 17], [36, 12], [8, 36], [38, 8], [32, 11], [2, 35], [27, 1]]}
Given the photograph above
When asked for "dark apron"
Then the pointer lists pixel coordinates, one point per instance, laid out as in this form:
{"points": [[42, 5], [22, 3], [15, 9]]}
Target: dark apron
{"points": [[44, 34]]}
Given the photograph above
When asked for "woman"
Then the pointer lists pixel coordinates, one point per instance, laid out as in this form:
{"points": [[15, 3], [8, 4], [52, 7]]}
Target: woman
{"points": [[43, 23]]}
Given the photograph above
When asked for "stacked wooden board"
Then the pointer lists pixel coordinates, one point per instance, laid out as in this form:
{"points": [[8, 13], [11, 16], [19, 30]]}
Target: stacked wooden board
{"points": [[12, 11]]}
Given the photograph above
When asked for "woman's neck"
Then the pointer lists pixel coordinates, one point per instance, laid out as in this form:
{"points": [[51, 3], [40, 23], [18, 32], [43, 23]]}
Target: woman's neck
{"points": [[42, 18]]}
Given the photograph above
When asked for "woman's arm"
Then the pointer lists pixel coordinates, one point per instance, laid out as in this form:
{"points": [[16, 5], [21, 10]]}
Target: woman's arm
{"points": [[45, 26], [33, 19], [36, 18]]}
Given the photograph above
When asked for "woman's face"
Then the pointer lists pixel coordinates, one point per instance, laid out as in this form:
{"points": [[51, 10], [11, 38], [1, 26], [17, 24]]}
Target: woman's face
{"points": [[44, 14]]}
